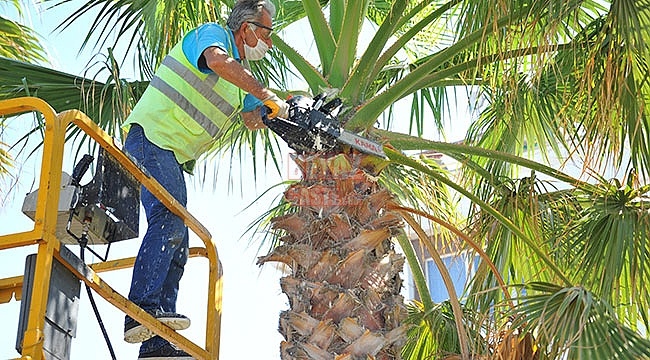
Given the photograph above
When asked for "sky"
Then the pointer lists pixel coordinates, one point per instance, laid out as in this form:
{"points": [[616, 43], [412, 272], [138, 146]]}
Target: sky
{"points": [[252, 299]]}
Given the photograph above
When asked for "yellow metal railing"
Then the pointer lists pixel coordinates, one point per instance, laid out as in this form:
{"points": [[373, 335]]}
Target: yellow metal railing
{"points": [[43, 234]]}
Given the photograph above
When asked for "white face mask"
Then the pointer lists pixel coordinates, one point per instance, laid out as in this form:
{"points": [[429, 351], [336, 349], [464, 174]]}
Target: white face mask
{"points": [[257, 52]]}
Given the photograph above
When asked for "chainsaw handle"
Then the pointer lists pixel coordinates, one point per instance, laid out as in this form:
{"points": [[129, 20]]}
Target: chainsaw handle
{"points": [[264, 113]]}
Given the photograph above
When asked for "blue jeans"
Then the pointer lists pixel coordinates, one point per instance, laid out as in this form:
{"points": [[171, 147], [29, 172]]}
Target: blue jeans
{"points": [[164, 250]]}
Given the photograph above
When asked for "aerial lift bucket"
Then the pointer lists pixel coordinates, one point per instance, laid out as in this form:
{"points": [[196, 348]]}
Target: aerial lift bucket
{"points": [[104, 211]]}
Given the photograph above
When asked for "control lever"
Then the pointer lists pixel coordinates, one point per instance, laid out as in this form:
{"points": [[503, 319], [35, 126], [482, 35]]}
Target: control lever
{"points": [[80, 169]]}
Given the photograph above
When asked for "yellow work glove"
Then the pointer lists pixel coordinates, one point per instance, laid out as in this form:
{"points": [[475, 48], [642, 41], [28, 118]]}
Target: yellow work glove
{"points": [[277, 107]]}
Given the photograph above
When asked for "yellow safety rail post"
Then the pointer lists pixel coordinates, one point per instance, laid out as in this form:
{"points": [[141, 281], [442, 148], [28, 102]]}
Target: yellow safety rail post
{"points": [[44, 220], [49, 246]]}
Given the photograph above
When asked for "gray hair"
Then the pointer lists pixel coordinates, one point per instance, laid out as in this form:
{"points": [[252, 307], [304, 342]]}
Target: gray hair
{"points": [[248, 10]]}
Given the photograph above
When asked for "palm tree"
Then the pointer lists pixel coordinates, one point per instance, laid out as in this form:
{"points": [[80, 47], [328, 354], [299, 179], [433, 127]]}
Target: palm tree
{"points": [[18, 42], [563, 259]]}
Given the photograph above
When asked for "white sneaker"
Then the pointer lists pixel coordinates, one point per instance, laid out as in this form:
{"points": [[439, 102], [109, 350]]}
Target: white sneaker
{"points": [[134, 332]]}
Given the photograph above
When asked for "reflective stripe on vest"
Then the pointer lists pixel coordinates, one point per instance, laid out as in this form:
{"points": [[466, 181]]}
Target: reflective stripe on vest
{"points": [[204, 87]]}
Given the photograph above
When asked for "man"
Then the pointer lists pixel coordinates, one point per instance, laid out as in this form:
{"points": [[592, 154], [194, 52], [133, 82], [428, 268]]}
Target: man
{"points": [[198, 90]]}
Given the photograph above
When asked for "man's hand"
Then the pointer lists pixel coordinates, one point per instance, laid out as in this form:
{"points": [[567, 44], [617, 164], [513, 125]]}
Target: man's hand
{"points": [[277, 107]]}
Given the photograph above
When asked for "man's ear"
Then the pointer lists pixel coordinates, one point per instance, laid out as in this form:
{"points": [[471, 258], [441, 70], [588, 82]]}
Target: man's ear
{"points": [[243, 28]]}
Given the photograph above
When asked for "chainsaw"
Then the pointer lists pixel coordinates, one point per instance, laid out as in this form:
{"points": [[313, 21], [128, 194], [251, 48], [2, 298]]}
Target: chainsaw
{"points": [[313, 126]]}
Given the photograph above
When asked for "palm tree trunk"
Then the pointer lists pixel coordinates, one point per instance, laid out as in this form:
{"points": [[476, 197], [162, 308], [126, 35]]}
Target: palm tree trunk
{"points": [[343, 285]]}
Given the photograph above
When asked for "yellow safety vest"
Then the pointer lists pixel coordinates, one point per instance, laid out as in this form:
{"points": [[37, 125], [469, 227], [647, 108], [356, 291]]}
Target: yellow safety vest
{"points": [[185, 110]]}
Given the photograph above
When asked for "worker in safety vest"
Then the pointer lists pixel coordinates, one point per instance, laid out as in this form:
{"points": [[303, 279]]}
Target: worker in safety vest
{"points": [[199, 89]]}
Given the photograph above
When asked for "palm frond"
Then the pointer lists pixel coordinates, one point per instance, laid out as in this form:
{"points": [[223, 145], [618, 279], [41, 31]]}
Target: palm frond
{"points": [[610, 237], [19, 42], [323, 36], [5, 160], [422, 192], [159, 23], [106, 103], [149, 29], [573, 323], [433, 333]]}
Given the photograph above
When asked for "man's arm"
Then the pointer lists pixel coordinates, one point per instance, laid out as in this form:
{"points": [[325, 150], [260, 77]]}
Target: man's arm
{"points": [[253, 120], [232, 71]]}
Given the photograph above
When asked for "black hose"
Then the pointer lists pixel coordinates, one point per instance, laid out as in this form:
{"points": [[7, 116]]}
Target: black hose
{"points": [[83, 242], [78, 172]]}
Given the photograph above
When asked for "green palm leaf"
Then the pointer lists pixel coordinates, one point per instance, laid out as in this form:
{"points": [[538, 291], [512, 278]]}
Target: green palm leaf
{"points": [[19, 42], [576, 324], [106, 103], [610, 237]]}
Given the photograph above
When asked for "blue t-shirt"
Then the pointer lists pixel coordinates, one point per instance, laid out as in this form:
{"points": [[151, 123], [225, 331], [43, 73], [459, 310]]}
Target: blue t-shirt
{"points": [[213, 34]]}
